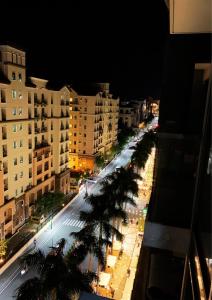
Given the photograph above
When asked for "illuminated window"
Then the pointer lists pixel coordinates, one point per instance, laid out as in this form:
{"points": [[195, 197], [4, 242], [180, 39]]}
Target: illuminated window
{"points": [[13, 75], [21, 159], [14, 93], [20, 111], [20, 77]]}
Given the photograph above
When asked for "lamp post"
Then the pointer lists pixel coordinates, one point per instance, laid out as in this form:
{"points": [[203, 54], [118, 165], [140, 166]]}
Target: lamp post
{"points": [[86, 189]]}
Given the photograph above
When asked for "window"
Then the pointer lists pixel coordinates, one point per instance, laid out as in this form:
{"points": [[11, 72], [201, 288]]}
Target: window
{"points": [[20, 77], [75, 134], [84, 126], [84, 143], [85, 109], [14, 144], [85, 118], [14, 111], [21, 159], [13, 75], [14, 128], [84, 134], [16, 192], [15, 161], [16, 177], [14, 94], [20, 127], [83, 151], [21, 174], [20, 111], [75, 126], [21, 143], [22, 189], [75, 142], [20, 96]]}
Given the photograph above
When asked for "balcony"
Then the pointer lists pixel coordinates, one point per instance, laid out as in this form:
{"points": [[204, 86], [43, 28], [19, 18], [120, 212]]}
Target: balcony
{"points": [[67, 138], [8, 219], [39, 172], [44, 102], [37, 130], [5, 170], [37, 117], [41, 145], [4, 135], [61, 151], [5, 187], [61, 163], [62, 140], [4, 153], [43, 129], [44, 116], [37, 102]]}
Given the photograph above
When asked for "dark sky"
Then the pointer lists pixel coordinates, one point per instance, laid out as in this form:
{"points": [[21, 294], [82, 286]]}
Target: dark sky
{"points": [[80, 41]]}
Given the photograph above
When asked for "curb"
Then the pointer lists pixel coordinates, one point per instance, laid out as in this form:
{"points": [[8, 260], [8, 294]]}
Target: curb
{"points": [[21, 250]]}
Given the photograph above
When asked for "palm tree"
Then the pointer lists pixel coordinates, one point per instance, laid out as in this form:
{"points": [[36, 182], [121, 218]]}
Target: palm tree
{"points": [[59, 278], [31, 289], [98, 220], [119, 184], [143, 149], [87, 244]]}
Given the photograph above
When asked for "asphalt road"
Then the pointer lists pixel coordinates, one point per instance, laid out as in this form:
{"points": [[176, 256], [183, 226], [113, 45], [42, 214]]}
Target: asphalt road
{"points": [[62, 226]]}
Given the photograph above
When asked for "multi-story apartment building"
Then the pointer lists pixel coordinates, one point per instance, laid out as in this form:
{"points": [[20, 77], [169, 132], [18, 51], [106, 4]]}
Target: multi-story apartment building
{"points": [[34, 140], [93, 126], [176, 255]]}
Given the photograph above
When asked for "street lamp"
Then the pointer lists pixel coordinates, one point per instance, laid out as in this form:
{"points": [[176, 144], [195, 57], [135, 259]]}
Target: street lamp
{"points": [[86, 189]]}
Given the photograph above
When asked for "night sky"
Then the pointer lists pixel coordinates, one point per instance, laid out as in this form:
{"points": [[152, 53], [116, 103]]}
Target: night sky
{"points": [[79, 41]]}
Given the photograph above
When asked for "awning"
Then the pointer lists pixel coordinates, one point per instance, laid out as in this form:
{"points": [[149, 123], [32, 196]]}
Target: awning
{"points": [[104, 279], [117, 245], [111, 261]]}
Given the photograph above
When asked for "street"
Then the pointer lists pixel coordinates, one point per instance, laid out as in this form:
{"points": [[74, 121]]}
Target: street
{"points": [[62, 226]]}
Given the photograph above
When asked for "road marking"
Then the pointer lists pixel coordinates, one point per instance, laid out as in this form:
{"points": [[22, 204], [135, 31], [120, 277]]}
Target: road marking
{"points": [[73, 223]]}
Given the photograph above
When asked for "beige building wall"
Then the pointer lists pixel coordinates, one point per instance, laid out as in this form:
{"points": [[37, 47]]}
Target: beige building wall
{"points": [[34, 140], [93, 127]]}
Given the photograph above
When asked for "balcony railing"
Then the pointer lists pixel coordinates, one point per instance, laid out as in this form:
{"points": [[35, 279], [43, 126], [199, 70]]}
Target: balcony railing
{"points": [[43, 129]]}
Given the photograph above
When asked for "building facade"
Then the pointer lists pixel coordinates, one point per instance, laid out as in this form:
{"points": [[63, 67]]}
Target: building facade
{"points": [[176, 255], [34, 140], [93, 127]]}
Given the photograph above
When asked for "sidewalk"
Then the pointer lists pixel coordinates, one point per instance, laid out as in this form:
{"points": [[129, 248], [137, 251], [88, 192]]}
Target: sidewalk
{"points": [[120, 281]]}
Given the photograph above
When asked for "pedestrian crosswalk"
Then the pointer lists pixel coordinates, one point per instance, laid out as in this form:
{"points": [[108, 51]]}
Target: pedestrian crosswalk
{"points": [[73, 223]]}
